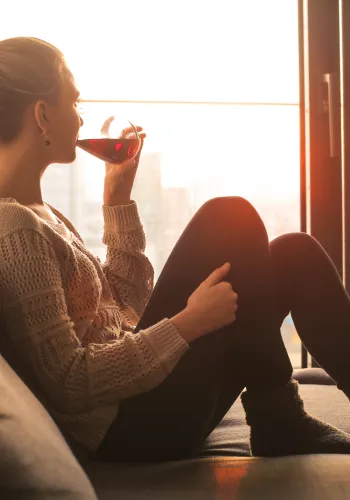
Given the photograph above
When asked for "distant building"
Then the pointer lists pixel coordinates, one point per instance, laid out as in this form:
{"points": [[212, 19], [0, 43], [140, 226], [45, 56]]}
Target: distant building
{"points": [[176, 215], [147, 192]]}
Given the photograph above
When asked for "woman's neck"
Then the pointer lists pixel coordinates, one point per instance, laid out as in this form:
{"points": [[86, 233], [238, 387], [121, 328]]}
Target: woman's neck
{"points": [[20, 176], [24, 194]]}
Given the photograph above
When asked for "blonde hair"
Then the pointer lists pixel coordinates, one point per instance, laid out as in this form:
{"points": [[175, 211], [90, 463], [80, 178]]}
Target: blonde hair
{"points": [[30, 70]]}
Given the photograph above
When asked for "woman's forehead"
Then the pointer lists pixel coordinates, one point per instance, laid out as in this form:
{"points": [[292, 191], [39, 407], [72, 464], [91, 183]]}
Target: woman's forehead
{"points": [[70, 88]]}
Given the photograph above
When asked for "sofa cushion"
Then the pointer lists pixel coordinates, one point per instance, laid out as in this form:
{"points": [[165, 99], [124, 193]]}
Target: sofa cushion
{"points": [[230, 473], [310, 477], [35, 461]]}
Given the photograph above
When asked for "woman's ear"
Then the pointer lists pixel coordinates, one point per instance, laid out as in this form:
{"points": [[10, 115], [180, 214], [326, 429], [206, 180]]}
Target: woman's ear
{"points": [[42, 116]]}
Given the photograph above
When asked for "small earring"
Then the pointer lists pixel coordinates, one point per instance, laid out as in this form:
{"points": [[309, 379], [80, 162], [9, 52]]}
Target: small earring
{"points": [[47, 142]]}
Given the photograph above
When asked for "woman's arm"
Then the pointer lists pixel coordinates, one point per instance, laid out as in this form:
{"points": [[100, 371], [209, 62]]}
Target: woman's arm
{"points": [[127, 269], [38, 327]]}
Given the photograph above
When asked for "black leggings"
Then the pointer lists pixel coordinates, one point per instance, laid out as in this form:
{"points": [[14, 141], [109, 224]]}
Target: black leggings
{"points": [[292, 274]]}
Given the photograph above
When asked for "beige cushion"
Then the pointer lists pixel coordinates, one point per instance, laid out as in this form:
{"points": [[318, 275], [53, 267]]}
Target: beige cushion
{"points": [[35, 461]]}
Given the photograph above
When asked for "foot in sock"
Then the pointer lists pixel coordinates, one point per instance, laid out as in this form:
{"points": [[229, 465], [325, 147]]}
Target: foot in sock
{"points": [[280, 426]]}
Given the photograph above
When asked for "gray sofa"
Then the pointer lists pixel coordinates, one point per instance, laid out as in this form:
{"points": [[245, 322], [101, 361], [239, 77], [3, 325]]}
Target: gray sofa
{"points": [[36, 463]]}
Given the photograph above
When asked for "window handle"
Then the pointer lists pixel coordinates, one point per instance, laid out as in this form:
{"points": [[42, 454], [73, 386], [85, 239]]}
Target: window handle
{"points": [[330, 108]]}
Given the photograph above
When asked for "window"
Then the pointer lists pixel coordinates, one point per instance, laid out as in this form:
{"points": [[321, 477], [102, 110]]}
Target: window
{"points": [[214, 84]]}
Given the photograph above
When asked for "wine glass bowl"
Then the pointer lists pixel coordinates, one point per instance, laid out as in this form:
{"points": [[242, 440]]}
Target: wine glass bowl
{"points": [[115, 150]]}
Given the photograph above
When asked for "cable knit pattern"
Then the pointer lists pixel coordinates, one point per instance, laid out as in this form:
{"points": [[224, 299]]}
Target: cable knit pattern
{"points": [[67, 320], [132, 282]]}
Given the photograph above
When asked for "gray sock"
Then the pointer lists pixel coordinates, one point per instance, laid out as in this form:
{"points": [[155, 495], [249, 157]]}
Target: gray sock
{"points": [[280, 425]]}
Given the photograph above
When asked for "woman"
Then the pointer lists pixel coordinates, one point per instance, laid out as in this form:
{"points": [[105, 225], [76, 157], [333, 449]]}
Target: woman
{"points": [[131, 374]]}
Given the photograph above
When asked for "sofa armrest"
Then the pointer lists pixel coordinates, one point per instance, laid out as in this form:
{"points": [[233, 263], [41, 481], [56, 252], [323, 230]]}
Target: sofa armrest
{"points": [[35, 461], [316, 376]]}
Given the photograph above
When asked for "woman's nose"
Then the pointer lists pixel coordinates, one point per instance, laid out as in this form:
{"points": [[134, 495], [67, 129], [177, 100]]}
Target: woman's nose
{"points": [[81, 121]]}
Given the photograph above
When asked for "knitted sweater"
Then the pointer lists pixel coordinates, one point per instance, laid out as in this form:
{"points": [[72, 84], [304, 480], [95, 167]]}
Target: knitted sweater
{"points": [[67, 320]]}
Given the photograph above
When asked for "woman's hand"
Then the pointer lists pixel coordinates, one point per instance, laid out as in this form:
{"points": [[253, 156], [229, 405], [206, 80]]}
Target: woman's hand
{"points": [[211, 306], [119, 179]]}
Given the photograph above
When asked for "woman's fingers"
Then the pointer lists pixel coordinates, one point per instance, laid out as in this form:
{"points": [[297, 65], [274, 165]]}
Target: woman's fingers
{"points": [[106, 126], [130, 131], [126, 132]]}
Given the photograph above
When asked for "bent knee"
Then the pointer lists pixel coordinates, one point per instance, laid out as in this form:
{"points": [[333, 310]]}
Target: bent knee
{"points": [[294, 242], [228, 203]]}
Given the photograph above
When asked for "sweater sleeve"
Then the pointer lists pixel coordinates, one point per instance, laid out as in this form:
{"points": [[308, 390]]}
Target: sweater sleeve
{"points": [[127, 269], [42, 333]]}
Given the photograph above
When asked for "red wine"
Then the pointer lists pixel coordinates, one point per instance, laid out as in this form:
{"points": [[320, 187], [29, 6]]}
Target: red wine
{"points": [[111, 150]]}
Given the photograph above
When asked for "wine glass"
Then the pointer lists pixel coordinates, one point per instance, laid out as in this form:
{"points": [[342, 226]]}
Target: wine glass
{"points": [[126, 144]]}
